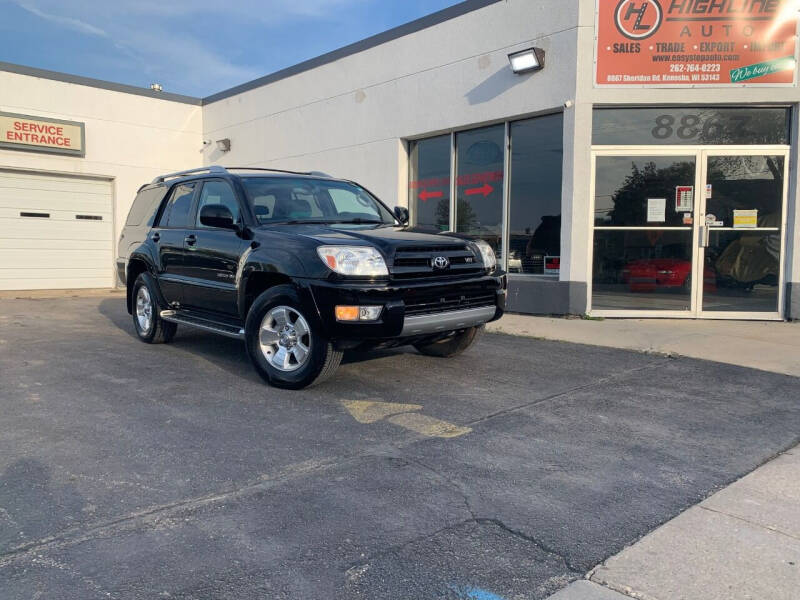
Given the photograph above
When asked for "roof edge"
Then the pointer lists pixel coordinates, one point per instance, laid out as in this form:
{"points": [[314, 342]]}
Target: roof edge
{"points": [[371, 42], [98, 83]]}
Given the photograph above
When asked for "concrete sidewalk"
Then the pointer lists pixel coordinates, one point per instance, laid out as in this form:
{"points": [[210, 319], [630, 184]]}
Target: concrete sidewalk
{"points": [[767, 345], [742, 543]]}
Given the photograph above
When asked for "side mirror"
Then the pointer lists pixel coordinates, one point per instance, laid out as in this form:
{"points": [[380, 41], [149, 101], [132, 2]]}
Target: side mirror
{"points": [[217, 215], [401, 212]]}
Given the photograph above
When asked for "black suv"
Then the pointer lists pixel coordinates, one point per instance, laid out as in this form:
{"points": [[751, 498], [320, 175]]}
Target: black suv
{"points": [[301, 267]]}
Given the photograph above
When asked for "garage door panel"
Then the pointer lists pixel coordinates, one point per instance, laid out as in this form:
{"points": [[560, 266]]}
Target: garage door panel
{"points": [[31, 214], [55, 230], [25, 199], [45, 282], [24, 243], [54, 183], [60, 250], [55, 258]]}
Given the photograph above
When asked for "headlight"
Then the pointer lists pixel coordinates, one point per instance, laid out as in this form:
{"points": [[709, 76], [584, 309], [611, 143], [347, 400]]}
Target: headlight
{"points": [[362, 261], [487, 255]]}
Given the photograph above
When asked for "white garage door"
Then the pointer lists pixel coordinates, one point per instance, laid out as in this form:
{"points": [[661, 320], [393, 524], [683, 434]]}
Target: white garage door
{"points": [[55, 232]]}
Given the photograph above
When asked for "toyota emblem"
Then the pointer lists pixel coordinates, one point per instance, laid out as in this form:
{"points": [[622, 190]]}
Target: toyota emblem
{"points": [[440, 262]]}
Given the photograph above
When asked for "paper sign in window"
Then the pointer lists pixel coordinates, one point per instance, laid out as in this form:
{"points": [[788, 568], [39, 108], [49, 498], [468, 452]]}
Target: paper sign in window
{"points": [[656, 210], [684, 198], [745, 219]]}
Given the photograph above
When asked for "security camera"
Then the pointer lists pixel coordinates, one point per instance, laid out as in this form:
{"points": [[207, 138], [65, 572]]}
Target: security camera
{"points": [[568, 104]]}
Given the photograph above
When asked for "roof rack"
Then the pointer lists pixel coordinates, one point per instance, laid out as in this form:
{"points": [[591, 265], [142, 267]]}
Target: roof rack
{"points": [[216, 169], [211, 169]]}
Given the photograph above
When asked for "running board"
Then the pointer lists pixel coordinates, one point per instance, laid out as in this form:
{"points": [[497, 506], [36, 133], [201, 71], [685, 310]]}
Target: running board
{"points": [[182, 318]]}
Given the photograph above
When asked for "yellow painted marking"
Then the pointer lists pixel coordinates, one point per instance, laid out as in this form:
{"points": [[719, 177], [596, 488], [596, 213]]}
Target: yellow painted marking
{"points": [[366, 411], [428, 426]]}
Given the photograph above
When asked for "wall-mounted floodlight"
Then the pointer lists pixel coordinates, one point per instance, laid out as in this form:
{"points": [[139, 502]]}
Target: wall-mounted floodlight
{"points": [[156, 87], [527, 61], [224, 145]]}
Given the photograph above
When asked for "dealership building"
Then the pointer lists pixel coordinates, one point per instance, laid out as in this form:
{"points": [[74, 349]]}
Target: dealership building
{"points": [[623, 157]]}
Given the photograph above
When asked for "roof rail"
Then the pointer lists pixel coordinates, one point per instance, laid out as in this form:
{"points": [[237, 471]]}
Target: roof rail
{"points": [[268, 169], [216, 169], [211, 169]]}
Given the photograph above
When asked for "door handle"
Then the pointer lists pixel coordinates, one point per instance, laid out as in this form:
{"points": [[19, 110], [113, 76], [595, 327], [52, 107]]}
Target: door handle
{"points": [[155, 237], [705, 234], [190, 240]]}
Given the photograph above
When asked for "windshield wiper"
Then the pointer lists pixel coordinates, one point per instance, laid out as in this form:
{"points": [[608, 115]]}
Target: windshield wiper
{"points": [[358, 221]]}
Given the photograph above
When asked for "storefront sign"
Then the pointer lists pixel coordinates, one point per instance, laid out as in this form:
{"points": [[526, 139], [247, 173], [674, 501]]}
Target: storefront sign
{"points": [[22, 132], [696, 42]]}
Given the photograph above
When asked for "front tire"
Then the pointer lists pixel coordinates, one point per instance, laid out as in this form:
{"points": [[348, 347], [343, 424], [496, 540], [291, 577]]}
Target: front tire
{"points": [[453, 345], [147, 321], [286, 348]]}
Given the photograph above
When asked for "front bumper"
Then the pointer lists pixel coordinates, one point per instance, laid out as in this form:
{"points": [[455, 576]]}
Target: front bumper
{"points": [[410, 308]]}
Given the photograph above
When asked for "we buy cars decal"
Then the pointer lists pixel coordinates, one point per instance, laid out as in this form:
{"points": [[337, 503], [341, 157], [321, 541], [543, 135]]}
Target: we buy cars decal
{"points": [[696, 42]]}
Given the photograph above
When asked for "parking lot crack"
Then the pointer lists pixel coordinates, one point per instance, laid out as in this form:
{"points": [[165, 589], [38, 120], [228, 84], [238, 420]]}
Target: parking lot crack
{"points": [[536, 542]]}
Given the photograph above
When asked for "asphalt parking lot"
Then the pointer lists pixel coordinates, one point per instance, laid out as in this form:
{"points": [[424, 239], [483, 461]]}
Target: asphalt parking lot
{"points": [[136, 471]]}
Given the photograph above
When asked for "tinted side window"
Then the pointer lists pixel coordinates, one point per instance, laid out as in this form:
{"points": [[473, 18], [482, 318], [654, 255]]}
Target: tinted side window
{"points": [[144, 206], [218, 192], [180, 203]]}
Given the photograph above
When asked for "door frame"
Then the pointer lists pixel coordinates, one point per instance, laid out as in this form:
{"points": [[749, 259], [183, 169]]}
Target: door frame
{"points": [[700, 153]]}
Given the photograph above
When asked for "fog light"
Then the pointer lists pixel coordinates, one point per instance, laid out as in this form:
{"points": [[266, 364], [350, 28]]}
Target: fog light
{"points": [[358, 313], [369, 313]]}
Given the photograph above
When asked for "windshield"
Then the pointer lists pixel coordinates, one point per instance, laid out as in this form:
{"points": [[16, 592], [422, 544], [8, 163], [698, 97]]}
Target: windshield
{"points": [[302, 200]]}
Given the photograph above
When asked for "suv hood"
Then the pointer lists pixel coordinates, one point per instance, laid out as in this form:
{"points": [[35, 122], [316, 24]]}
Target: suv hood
{"points": [[385, 238]]}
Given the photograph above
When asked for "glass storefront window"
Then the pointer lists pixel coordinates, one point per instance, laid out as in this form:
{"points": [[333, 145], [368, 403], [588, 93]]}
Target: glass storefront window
{"points": [[690, 125], [533, 239], [479, 184], [537, 151], [429, 183]]}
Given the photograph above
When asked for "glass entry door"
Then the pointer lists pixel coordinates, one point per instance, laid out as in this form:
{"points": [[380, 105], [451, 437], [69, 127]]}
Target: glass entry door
{"points": [[689, 232], [740, 234]]}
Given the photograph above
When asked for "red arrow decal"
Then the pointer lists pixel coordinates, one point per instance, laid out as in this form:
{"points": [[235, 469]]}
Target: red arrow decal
{"points": [[485, 189], [425, 194]]}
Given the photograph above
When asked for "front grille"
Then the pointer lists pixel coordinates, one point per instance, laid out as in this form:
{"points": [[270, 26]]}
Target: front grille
{"points": [[413, 262], [449, 301]]}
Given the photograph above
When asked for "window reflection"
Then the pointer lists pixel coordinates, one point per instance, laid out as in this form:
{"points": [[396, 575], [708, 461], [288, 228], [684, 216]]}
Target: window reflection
{"points": [[643, 270], [625, 184], [535, 195], [429, 184], [479, 184]]}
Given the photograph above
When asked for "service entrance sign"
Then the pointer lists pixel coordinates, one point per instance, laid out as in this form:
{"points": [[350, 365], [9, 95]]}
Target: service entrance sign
{"points": [[24, 132], [696, 42]]}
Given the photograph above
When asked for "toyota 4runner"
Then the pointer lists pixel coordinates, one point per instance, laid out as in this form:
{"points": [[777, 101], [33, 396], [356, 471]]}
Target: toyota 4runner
{"points": [[300, 266]]}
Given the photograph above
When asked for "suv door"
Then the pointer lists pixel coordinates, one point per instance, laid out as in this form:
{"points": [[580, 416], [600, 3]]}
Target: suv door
{"points": [[212, 254], [168, 237]]}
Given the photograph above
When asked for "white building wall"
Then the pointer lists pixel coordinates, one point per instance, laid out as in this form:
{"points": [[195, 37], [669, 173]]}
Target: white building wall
{"points": [[129, 138], [349, 117]]}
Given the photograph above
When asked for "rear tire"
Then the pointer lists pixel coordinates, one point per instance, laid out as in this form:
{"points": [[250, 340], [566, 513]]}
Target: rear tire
{"points": [[452, 346], [147, 321], [286, 348]]}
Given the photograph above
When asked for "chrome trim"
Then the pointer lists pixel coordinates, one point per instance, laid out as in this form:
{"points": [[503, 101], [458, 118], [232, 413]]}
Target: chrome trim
{"points": [[447, 321]]}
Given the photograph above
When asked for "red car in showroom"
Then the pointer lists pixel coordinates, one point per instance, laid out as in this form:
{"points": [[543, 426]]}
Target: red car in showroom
{"points": [[657, 274]]}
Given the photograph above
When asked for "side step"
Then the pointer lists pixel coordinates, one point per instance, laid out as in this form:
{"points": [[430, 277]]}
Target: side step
{"points": [[192, 320]]}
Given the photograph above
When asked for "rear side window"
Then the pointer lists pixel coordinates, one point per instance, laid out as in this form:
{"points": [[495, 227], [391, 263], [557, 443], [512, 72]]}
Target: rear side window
{"points": [[179, 206], [144, 206]]}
